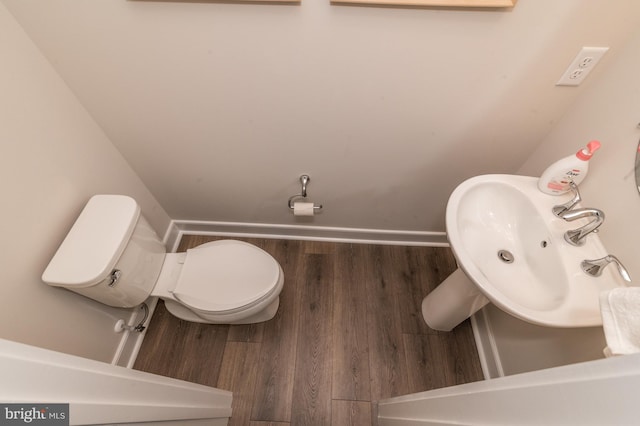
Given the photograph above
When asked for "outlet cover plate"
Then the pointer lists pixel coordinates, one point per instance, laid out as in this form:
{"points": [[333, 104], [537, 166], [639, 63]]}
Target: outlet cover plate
{"points": [[581, 66]]}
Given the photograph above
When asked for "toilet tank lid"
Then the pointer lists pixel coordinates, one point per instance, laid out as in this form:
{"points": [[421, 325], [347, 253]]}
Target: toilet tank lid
{"points": [[94, 244]]}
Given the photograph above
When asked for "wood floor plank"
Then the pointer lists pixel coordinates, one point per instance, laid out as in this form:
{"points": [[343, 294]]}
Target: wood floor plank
{"points": [[468, 368], [428, 358], [182, 349], [319, 247], [239, 372], [386, 357], [405, 275], [311, 403], [351, 378], [191, 241], [246, 333], [436, 360], [155, 355], [350, 413], [277, 359], [441, 264]]}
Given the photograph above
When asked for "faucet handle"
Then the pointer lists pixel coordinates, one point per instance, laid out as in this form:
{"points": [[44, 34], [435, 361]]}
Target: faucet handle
{"points": [[623, 271], [562, 208], [595, 267]]}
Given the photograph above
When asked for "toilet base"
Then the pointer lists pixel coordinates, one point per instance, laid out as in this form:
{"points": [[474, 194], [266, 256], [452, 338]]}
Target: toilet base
{"points": [[179, 311]]}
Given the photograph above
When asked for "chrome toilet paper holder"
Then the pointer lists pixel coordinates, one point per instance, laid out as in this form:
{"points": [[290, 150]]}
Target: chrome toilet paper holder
{"points": [[304, 181]]}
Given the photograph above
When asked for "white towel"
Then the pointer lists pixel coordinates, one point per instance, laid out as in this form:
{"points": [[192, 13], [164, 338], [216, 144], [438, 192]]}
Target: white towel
{"points": [[620, 309]]}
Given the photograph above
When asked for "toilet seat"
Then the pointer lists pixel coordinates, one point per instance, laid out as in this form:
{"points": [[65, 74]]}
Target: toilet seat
{"points": [[226, 276]]}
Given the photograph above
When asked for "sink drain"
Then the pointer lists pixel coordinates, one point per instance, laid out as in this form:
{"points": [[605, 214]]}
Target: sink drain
{"points": [[505, 256]]}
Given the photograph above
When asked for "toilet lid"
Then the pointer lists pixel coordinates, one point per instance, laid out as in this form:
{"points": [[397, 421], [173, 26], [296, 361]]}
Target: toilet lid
{"points": [[224, 275]]}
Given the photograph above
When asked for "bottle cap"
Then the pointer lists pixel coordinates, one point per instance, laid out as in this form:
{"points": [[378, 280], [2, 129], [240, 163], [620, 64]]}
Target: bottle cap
{"points": [[586, 153]]}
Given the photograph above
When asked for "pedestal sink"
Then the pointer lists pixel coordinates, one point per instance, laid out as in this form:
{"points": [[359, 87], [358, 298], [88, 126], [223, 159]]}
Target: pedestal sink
{"points": [[511, 252]]}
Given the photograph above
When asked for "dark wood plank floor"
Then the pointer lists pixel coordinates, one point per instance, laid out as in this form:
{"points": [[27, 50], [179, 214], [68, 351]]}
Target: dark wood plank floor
{"points": [[348, 333]]}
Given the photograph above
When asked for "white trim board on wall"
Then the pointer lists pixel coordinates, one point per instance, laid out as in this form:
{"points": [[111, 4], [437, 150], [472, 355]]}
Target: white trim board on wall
{"points": [[99, 393], [596, 392], [178, 228], [486, 346]]}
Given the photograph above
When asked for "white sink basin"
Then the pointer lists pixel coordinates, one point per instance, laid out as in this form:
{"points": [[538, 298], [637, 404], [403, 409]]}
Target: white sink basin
{"points": [[511, 246]]}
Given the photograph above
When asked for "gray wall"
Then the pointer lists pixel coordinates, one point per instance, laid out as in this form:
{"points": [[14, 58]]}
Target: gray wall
{"points": [[54, 158], [219, 107]]}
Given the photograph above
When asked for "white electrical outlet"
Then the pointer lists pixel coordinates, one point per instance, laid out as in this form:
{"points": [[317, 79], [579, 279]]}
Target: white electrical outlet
{"points": [[581, 66]]}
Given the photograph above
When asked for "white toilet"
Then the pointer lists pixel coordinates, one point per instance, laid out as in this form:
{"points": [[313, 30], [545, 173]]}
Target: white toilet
{"points": [[112, 255]]}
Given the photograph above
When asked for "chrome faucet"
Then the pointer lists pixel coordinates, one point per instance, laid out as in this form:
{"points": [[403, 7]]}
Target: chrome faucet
{"points": [[560, 209], [576, 236], [595, 267]]}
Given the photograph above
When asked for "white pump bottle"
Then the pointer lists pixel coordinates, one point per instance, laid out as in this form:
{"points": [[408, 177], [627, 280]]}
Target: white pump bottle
{"points": [[555, 179]]}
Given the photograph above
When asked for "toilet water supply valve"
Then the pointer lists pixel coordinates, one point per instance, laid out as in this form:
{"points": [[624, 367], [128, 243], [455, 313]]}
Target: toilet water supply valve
{"points": [[121, 325]]}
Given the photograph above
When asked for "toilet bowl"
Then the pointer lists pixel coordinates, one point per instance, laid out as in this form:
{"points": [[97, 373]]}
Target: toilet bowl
{"points": [[224, 282], [112, 255]]}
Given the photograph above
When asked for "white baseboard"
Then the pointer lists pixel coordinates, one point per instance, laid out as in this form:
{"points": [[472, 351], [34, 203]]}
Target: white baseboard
{"points": [[178, 228], [486, 346]]}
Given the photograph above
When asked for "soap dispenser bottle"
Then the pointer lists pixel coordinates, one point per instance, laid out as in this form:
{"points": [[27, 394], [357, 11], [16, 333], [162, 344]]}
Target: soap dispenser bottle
{"points": [[555, 179]]}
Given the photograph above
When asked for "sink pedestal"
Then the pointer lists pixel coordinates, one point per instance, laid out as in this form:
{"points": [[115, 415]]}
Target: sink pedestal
{"points": [[453, 301]]}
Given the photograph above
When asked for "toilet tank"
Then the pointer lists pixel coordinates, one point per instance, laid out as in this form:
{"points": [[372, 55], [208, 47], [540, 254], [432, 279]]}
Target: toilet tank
{"points": [[111, 254]]}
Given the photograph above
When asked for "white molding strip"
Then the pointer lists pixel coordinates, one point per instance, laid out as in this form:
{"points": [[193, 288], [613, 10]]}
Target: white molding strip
{"points": [[486, 346], [178, 228], [596, 392], [100, 393]]}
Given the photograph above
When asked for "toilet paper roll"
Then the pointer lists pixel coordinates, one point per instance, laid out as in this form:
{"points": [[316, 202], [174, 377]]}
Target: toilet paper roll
{"points": [[302, 209]]}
